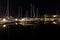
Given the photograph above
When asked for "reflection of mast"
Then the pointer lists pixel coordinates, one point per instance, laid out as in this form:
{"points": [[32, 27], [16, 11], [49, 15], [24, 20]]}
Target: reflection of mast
{"points": [[7, 10]]}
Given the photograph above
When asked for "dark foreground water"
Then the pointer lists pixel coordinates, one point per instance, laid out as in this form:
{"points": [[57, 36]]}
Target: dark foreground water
{"points": [[17, 32]]}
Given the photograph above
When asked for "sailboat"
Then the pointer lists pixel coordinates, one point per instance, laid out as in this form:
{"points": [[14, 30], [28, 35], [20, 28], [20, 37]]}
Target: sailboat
{"points": [[19, 14], [30, 20], [7, 18]]}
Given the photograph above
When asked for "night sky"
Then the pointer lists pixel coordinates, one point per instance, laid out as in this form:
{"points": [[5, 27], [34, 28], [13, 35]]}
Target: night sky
{"points": [[44, 6]]}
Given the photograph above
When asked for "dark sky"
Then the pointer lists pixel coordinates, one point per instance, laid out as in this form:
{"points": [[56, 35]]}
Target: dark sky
{"points": [[44, 6]]}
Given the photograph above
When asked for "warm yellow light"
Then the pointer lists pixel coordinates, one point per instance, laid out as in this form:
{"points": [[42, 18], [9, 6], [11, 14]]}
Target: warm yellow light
{"points": [[4, 19], [23, 19], [4, 25], [54, 15], [54, 22]]}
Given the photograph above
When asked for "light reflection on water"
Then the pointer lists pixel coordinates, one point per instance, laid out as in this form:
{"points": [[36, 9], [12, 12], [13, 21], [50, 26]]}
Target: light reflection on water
{"points": [[13, 30], [4, 25]]}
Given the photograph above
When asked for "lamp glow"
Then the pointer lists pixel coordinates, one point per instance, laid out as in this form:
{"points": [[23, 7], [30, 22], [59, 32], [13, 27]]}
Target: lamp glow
{"points": [[16, 19], [4, 19], [4, 25], [54, 15], [54, 22]]}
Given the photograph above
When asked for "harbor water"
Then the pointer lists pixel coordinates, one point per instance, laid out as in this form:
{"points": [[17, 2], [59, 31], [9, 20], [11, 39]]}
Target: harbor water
{"points": [[14, 32]]}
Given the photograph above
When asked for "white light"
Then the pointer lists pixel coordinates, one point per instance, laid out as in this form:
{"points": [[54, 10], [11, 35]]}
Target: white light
{"points": [[4, 19], [16, 19], [4, 25]]}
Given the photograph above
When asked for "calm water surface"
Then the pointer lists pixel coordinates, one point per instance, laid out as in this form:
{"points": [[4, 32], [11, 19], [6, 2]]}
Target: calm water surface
{"points": [[14, 32]]}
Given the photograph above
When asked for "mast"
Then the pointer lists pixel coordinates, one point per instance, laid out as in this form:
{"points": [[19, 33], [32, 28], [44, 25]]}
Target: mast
{"points": [[37, 12], [21, 13], [7, 10], [18, 12], [33, 11], [26, 13]]}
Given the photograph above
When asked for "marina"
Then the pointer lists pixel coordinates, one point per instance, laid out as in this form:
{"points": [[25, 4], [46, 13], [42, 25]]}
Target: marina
{"points": [[27, 19]]}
